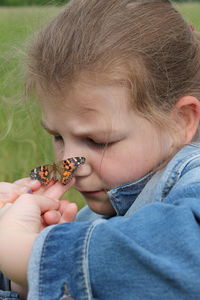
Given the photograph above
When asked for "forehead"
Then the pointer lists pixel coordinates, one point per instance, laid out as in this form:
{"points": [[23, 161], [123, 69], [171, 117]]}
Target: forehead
{"points": [[88, 102]]}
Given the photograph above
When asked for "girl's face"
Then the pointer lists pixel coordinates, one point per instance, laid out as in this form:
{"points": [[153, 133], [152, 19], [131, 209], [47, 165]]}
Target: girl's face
{"points": [[119, 145]]}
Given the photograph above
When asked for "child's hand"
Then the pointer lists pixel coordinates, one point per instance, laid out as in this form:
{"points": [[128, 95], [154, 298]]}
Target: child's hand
{"points": [[9, 192], [66, 211], [20, 223]]}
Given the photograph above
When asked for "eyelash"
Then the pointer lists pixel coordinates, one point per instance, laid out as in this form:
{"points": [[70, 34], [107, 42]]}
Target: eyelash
{"points": [[57, 138], [93, 143], [98, 144]]}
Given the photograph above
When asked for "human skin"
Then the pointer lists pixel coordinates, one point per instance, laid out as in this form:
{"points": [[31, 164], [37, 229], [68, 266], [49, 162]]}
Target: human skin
{"points": [[99, 123], [9, 192], [30, 213]]}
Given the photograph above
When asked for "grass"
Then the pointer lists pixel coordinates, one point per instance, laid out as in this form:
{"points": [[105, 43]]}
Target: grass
{"points": [[22, 146], [191, 12], [23, 143]]}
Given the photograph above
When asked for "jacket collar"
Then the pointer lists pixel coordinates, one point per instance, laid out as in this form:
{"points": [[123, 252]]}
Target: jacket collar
{"points": [[123, 196], [128, 198]]}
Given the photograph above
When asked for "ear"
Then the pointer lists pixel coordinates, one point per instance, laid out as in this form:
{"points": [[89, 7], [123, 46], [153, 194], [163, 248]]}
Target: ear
{"points": [[186, 114]]}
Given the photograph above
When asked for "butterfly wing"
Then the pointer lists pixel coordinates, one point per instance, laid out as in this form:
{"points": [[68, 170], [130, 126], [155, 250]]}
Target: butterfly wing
{"points": [[43, 174], [62, 171], [67, 168]]}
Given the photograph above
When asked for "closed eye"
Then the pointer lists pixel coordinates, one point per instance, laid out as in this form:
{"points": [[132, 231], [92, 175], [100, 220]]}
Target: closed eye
{"points": [[98, 144]]}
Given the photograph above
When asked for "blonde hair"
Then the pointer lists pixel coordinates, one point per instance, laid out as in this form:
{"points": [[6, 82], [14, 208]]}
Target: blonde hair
{"points": [[144, 44]]}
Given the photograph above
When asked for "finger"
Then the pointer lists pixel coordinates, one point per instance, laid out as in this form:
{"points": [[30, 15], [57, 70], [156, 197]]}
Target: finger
{"points": [[7, 188], [29, 201], [63, 205], [57, 189], [10, 191], [28, 183], [69, 214], [8, 197], [51, 217], [44, 188], [4, 208]]}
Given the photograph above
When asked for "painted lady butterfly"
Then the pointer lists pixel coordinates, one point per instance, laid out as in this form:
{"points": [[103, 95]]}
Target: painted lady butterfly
{"points": [[62, 171]]}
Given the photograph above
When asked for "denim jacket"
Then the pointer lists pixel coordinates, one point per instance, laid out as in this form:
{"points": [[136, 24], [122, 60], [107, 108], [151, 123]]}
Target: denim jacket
{"points": [[149, 250]]}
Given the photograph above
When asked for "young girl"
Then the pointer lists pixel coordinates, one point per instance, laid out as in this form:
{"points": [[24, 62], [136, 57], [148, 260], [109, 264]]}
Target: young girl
{"points": [[118, 83]]}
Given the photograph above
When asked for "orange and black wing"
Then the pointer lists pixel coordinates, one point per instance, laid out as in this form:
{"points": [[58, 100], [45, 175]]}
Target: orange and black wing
{"points": [[42, 173], [68, 167], [61, 171]]}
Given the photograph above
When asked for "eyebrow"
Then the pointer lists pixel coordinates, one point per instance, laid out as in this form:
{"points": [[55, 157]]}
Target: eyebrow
{"points": [[53, 132]]}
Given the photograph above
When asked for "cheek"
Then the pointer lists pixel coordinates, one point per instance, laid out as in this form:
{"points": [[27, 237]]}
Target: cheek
{"points": [[115, 173], [121, 169]]}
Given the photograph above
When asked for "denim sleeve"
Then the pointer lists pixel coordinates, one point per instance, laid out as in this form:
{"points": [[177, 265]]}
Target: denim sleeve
{"points": [[153, 254], [59, 262]]}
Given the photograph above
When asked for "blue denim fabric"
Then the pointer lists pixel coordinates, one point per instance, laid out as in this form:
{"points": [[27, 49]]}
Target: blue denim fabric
{"points": [[8, 295], [150, 250]]}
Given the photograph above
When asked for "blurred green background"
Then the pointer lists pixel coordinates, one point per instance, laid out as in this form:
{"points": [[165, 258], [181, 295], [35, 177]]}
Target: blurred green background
{"points": [[23, 143]]}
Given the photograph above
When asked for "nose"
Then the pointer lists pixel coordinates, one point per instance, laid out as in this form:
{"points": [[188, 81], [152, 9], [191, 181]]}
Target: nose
{"points": [[84, 170]]}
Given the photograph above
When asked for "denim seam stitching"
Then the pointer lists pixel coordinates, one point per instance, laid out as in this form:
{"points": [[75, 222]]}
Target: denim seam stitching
{"points": [[85, 264], [40, 279]]}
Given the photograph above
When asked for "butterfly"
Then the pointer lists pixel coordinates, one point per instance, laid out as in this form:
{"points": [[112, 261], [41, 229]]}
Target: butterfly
{"points": [[62, 171]]}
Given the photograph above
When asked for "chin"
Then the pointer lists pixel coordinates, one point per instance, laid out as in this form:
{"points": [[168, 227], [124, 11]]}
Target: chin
{"points": [[102, 208]]}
